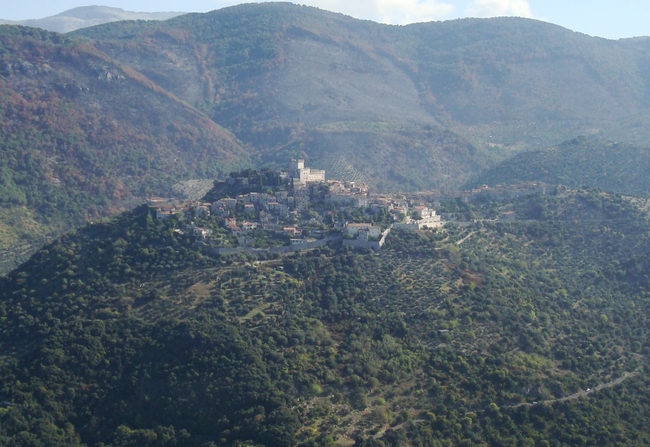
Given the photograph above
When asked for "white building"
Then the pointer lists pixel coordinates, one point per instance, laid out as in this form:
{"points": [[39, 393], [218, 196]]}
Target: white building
{"points": [[355, 229], [429, 219], [302, 175]]}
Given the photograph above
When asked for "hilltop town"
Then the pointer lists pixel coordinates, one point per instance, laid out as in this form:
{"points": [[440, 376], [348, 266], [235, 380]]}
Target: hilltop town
{"points": [[298, 208]]}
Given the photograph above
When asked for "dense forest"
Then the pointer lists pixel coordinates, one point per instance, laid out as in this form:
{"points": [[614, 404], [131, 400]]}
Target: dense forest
{"points": [[129, 333], [124, 334]]}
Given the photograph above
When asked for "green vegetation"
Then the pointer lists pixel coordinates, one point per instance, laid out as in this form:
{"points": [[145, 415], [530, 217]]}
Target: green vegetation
{"points": [[265, 72], [95, 120], [83, 137], [247, 181], [125, 334], [587, 162]]}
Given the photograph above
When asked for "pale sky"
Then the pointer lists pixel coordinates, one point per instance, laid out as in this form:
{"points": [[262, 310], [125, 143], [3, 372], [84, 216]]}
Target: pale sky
{"points": [[603, 18]]}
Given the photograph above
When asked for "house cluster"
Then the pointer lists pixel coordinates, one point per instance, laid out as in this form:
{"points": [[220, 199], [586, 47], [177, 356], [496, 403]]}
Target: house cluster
{"points": [[278, 204], [420, 217], [166, 208], [184, 211], [407, 214], [297, 206], [362, 231], [347, 193]]}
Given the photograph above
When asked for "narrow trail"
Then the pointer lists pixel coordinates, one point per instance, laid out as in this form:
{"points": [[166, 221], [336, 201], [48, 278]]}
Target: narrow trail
{"points": [[579, 394], [460, 242], [574, 396]]}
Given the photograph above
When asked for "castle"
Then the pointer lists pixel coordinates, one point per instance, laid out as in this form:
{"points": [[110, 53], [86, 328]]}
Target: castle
{"points": [[302, 175]]}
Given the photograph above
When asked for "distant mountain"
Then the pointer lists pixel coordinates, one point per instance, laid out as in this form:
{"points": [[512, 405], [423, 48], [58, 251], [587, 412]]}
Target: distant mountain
{"points": [[85, 16], [424, 106], [264, 72], [84, 136], [580, 162], [268, 71]]}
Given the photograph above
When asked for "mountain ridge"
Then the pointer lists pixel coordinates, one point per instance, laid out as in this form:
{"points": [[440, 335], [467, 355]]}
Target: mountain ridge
{"points": [[86, 16], [495, 93], [424, 106]]}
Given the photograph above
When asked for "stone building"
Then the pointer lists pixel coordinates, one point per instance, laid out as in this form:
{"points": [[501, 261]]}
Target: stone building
{"points": [[302, 175]]}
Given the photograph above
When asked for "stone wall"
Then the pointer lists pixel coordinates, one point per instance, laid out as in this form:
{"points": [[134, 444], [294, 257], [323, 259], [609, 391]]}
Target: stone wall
{"points": [[279, 250], [373, 245]]}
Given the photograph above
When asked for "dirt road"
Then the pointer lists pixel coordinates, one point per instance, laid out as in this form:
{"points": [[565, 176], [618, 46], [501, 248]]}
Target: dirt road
{"points": [[579, 394]]}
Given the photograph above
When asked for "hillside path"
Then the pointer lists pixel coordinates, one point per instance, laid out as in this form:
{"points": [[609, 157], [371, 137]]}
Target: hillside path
{"points": [[581, 393], [460, 242]]}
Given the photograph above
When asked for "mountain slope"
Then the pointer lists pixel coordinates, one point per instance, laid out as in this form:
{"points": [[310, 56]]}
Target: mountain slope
{"points": [[86, 16], [507, 84], [513, 80], [83, 136], [125, 334], [417, 107], [594, 163], [296, 81]]}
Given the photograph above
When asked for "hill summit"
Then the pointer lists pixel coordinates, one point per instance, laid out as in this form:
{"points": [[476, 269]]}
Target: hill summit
{"points": [[86, 16], [127, 333], [423, 106]]}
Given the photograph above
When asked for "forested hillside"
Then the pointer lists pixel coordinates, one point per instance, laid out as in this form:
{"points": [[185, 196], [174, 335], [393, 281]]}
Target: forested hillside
{"points": [[83, 136], [588, 162], [271, 71], [298, 81], [123, 334], [94, 120]]}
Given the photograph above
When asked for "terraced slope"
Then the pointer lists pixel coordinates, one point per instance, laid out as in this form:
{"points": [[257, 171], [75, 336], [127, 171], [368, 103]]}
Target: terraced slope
{"points": [[125, 334]]}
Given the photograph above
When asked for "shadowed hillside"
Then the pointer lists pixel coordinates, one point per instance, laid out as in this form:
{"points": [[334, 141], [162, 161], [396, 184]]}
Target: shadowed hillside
{"points": [[125, 334]]}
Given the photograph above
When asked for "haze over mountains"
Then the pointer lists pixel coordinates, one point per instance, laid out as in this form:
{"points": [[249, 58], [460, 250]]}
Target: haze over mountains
{"points": [[280, 75], [107, 115], [85, 16]]}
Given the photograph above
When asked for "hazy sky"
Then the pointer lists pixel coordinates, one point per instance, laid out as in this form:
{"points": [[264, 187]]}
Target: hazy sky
{"points": [[605, 18]]}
